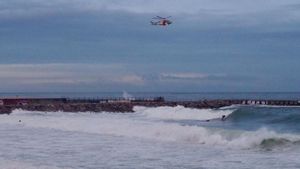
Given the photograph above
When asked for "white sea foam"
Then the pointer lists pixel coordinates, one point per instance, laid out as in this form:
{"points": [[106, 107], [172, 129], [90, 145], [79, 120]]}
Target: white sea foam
{"points": [[181, 113], [127, 125], [8, 164], [232, 107]]}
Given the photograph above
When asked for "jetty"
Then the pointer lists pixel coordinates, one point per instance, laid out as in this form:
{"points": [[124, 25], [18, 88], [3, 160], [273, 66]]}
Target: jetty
{"points": [[121, 105]]}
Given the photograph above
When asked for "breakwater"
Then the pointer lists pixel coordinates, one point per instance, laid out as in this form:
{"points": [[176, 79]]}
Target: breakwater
{"points": [[121, 105]]}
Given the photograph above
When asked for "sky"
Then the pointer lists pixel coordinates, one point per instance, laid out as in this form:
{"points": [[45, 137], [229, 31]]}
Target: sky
{"points": [[110, 45]]}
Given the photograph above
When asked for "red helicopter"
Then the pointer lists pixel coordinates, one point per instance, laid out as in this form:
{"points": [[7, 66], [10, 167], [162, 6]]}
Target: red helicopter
{"points": [[161, 21]]}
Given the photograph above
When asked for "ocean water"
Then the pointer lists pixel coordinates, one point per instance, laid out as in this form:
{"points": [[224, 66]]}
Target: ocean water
{"points": [[162, 137]]}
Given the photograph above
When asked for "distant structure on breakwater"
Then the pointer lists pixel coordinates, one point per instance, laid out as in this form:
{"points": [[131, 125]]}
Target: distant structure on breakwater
{"points": [[7, 105]]}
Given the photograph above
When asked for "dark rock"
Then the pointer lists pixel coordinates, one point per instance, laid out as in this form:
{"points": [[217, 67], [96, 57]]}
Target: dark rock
{"points": [[5, 110]]}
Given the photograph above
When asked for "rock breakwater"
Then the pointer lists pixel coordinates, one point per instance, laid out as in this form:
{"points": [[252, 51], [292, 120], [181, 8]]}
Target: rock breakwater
{"points": [[121, 105]]}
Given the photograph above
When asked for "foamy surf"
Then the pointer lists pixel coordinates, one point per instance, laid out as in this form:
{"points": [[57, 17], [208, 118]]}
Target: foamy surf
{"points": [[8, 164], [181, 113], [126, 125]]}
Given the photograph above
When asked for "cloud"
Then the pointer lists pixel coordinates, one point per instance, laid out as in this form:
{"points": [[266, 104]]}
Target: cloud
{"points": [[116, 15], [131, 79], [207, 79], [233, 36], [67, 74], [177, 7], [112, 77], [190, 76]]}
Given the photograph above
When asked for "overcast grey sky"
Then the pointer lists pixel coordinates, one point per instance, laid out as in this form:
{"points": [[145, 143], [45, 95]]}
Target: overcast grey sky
{"points": [[109, 45]]}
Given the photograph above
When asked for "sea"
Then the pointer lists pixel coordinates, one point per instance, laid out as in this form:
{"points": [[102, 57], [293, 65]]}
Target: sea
{"points": [[262, 137]]}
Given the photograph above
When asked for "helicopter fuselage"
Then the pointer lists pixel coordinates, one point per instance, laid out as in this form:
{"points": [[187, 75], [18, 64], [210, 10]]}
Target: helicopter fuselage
{"points": [[163, 22]]}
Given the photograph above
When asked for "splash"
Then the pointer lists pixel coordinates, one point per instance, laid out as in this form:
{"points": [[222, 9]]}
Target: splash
{"points": [[127, 96]]}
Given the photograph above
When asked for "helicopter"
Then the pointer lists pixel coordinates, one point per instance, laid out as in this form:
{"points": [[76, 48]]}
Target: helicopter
{"points": [[161, 21]]}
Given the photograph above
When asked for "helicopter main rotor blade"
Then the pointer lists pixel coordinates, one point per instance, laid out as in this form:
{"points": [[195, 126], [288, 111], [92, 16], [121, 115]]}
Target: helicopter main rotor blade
{"points": [[159, 17]]}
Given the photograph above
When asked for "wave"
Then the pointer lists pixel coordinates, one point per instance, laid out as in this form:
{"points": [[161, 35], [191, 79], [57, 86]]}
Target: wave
{"points": [[274, 143], [181, 113], [272, 106], [125, 125], [267, 115]]}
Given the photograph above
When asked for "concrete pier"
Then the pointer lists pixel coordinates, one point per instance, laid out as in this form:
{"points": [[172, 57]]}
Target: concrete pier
{"points": [[7, 105]]}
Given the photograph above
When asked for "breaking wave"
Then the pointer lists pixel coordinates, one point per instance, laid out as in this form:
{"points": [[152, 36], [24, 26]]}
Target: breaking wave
{"points": [[268, 115], [141, 125], [181, 113], [274, 143]]}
